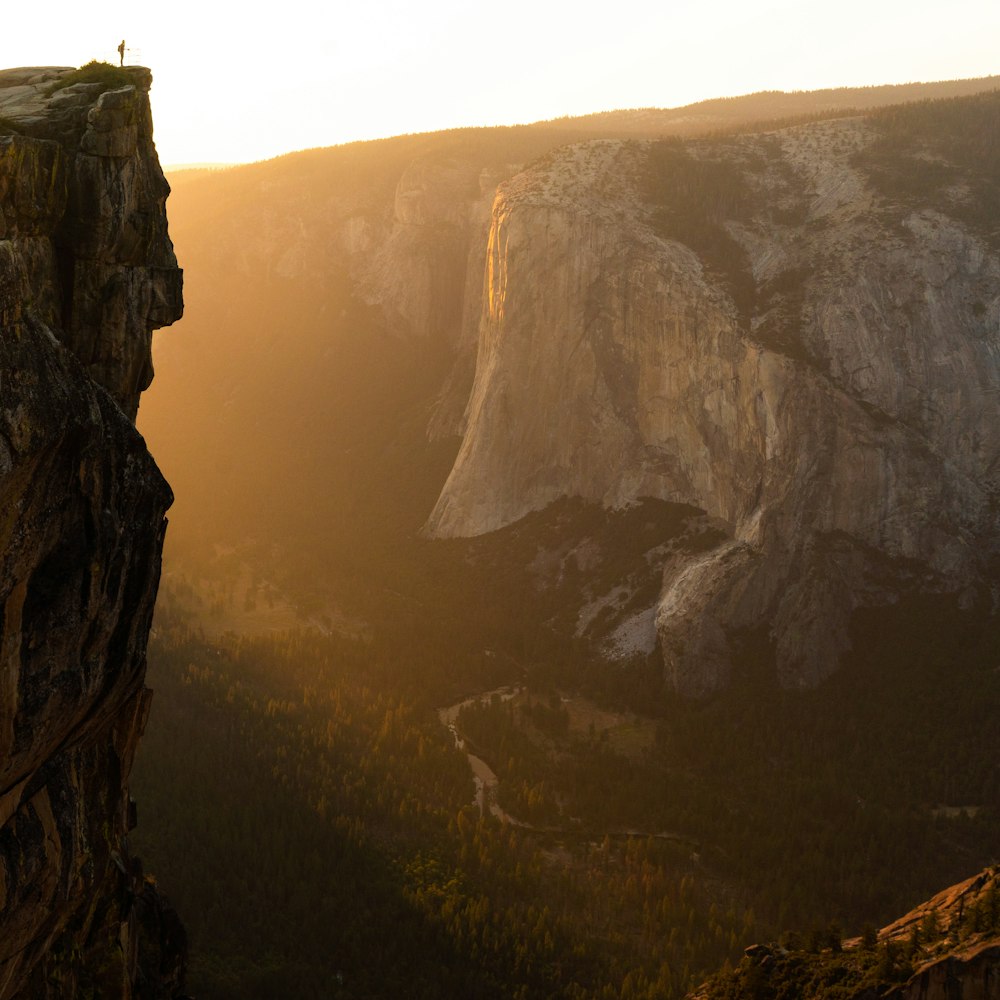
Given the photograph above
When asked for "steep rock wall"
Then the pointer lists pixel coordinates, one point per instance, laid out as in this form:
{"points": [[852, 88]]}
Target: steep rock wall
{"points": [[841, 426], [86, 272]]}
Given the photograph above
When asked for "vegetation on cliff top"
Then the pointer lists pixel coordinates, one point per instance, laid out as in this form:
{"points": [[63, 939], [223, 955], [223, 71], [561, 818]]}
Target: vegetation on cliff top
{"points": [[943, 154], [108, 76]]}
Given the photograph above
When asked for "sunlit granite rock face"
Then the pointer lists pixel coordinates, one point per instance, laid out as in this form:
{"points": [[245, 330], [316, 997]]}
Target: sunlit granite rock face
{"points": [[86, 272], [947, 948], [842, 429]]}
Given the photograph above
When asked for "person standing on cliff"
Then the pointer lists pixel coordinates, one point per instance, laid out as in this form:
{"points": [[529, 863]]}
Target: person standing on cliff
{"points": [[121, 53]]}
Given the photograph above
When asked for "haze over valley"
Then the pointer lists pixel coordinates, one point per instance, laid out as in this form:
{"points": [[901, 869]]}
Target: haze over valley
{"points": [[605, 416], [581, 574]]}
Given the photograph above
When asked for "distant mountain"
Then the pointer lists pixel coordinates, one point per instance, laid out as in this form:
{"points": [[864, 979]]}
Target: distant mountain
{"points": [[793, 331], [768, 106]]}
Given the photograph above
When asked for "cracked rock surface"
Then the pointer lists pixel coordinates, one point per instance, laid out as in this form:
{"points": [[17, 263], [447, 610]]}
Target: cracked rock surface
{"points": [[87, 271]]}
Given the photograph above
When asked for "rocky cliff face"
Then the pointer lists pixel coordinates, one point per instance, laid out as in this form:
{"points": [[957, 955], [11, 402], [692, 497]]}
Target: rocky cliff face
{"points": [[86, 272], [757, 328]]}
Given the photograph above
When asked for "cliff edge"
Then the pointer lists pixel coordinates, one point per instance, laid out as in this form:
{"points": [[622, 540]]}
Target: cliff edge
{"points": [[87, 271]]}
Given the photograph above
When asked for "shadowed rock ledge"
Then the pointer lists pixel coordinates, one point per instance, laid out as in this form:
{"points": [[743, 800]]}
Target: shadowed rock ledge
{"points": [[87, 271]]}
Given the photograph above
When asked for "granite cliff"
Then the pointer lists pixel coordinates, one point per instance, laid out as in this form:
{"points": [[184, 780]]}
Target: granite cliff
{"points": [[793, 330], [87, 271], [797, 332]]}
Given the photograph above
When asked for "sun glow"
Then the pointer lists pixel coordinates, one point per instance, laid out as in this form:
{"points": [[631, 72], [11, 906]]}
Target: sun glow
{"points": [[238, 88]]}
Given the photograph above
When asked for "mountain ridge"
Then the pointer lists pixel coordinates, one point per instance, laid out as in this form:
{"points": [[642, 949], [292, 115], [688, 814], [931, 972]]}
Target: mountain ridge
{"points": [[765, 105]]}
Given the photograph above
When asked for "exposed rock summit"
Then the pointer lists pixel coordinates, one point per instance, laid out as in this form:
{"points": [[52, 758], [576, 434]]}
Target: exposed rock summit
{"points": [[86, 272]]}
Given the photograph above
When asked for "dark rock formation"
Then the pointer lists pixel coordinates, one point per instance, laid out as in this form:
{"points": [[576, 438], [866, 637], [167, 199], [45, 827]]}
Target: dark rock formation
{"points": [[87, 271]]}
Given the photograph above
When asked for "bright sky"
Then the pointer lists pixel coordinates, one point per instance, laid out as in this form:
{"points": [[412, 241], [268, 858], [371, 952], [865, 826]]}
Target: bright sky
{"points": [[235, 83]]}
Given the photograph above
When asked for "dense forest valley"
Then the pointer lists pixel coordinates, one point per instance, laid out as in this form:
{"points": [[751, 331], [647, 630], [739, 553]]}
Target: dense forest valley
{"points": [[381, 765], [315, 823]]}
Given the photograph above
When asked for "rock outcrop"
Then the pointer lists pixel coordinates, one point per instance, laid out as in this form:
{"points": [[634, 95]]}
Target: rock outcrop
{"points": [[86, 272], [812, 362], [957, 951], [947, 948]]}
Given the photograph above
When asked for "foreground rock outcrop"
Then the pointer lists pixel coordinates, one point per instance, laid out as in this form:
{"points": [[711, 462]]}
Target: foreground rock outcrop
{"points": [[797, 332], [87, 271], [948, 948]]}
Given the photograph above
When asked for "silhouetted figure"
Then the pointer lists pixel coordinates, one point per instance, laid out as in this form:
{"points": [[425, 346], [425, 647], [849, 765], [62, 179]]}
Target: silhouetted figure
{"points": [[121, 53]]}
